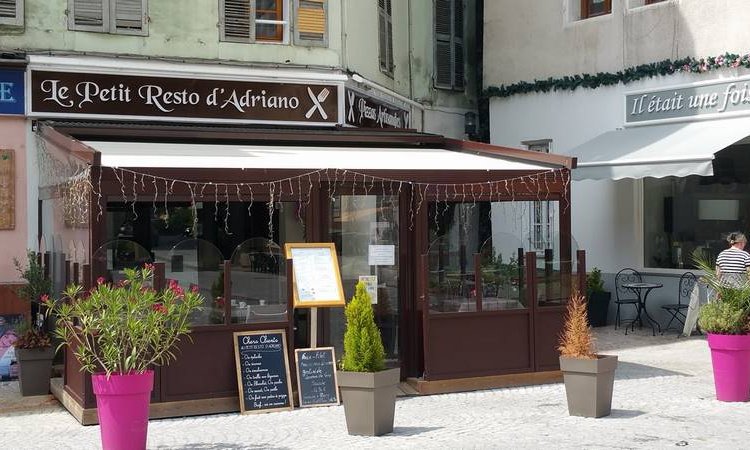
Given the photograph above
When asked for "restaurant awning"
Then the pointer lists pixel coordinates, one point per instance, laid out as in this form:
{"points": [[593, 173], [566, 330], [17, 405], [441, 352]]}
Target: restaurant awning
{"points": [[678, 149], [239, 156]]}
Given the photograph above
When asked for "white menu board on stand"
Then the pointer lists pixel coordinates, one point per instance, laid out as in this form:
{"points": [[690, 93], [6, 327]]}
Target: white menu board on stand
{"points": [[317, 280]]}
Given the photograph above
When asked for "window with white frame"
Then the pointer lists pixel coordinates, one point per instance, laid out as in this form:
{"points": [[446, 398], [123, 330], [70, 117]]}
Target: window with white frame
{"points": [[385, 36], [109, 16], [542, 213], [11, 12], [449, 44], [254, 20]]}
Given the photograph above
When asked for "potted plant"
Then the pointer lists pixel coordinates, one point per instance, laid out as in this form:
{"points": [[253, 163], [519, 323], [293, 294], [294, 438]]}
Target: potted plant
{"points": [[34, 350], [589, 377], [117, 333], [726, 321], [598, 298], [368, 389], [34, 353]]}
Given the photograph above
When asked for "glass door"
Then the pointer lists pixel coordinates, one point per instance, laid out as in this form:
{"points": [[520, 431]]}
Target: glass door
{"points": [[365, 230]]}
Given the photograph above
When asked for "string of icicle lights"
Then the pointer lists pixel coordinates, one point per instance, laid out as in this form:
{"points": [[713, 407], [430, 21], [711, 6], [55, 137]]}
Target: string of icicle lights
{"points": [[134, 184]]}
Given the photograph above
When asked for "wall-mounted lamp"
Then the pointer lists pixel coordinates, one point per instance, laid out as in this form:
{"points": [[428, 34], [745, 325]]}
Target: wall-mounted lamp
{"points": [[470, 124]]}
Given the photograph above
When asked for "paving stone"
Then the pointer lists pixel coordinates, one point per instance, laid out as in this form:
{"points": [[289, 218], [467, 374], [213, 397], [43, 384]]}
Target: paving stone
{"points": [[663, 398]]}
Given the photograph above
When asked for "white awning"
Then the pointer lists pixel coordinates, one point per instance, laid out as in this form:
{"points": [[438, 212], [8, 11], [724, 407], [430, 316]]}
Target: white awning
{"points": [[678, 149], [211, 156]]}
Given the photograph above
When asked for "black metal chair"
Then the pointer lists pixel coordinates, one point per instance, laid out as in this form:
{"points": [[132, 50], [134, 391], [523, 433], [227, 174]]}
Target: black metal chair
{"points": [[624, 296], [685, 288]]}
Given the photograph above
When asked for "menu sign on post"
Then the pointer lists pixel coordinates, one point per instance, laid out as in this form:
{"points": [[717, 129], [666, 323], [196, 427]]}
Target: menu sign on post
{"points": [[317, 280], [316, 376], [262, 371]]}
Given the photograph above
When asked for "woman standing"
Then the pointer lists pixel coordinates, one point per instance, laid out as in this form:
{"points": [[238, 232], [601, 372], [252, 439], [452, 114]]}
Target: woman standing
{"points": [[733, 264]]}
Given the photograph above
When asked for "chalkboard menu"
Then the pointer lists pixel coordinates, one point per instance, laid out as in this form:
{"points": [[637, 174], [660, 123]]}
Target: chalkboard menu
{"points": [[262, 371], [316, 376]]}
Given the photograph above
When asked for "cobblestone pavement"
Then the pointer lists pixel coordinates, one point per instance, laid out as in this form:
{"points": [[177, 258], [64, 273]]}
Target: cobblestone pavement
{"points": [[663, 398]]}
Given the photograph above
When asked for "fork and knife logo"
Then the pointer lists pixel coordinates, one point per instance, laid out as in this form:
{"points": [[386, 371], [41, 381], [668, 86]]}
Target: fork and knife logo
{"points": [[317, 103]]}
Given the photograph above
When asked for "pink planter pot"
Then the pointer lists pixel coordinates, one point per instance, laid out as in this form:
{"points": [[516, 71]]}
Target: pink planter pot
{"points": [[730, 356], [122, 405]]}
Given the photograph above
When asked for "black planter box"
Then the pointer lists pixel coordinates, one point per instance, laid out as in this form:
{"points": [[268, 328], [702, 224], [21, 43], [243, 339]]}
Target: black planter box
{"points": [[598, 307]]}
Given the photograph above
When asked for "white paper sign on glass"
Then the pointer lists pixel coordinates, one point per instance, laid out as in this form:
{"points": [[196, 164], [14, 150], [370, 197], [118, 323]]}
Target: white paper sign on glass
{"points": [[382, 255], [317, 281], [371, 284]]}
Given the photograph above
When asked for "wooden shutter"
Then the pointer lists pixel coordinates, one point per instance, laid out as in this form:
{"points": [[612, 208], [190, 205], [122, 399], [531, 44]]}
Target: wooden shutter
{"points": [[458, 45], [129, 16], [236, 20], [88, 15], [443, 46], [311, 25], [385, 36], [11, 12], [449, 44]]}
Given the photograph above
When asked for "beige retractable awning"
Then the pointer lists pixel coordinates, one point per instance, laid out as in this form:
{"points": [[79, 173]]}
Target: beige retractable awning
{"points": [[678, 149], [238, 156]]}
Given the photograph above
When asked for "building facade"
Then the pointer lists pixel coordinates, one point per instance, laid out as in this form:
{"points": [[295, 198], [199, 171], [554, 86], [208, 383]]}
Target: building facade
{"points": [[643, 93], [385, 52]]}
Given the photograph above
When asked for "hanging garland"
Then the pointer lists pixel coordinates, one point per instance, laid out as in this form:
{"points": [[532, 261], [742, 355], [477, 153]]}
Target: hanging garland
{"points": [[629, 75], [77, 186]]}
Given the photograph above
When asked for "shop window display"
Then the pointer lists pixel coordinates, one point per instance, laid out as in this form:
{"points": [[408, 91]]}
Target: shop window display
{"points": [[682, 214]]}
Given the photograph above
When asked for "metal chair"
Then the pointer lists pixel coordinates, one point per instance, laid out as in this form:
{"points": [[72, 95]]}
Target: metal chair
{"points": [[625, 296], [685, 288]]}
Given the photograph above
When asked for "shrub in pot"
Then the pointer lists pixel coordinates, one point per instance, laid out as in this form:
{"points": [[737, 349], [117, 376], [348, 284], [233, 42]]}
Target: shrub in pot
{"points": [[598, 298], [34, 353], [367, 387], [726, 321], [34, 347], [589, 377], [117, 333]]}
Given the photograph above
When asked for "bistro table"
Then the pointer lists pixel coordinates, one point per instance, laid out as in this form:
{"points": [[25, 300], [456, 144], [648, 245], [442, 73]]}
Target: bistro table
{"points": [[642, 290]]}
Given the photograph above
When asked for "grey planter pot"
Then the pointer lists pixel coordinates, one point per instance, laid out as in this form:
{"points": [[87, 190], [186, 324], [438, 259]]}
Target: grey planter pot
{"points": [[588, 384], [34, 370], [369, 401]]}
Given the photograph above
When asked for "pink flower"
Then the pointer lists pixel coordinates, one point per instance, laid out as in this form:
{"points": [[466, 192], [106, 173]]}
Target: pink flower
{"points": [[100, 280], [44, 298], [174, 286], [159, 308], [149, 267], [195, 289]]}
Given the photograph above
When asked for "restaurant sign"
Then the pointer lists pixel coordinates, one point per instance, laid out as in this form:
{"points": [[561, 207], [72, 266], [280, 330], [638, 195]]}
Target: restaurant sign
{"points": [[11, 92], [692, 101], [368, 112], [69, 94]]}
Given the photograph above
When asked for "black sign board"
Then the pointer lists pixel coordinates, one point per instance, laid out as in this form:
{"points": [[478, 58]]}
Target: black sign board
{"points": [[262, 371], [97, 95], [367, 112], [316, 376]]}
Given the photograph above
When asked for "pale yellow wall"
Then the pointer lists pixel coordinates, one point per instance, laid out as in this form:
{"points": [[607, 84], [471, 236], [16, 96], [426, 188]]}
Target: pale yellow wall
{"points": [[525, 40], [178, 29]]}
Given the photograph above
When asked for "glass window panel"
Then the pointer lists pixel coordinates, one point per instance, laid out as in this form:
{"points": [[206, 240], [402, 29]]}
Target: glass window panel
{"points": [[194, 255], [357, 223]]}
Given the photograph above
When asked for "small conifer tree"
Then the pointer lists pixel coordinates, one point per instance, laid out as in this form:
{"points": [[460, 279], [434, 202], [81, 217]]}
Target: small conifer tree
{"points": [[363, 346], [576, 340]]}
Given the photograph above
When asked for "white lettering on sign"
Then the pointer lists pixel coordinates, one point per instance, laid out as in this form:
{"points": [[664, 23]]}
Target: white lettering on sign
{"points": [[689, 101], [57, 93], [6, 95]]}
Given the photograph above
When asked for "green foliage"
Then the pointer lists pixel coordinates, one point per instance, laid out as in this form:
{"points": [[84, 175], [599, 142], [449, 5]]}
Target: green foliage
{"points": [[127, 327], [494, 270], [721, 317], [33, 274], [629, 75], [363, 346], [594, 282], [31, 337], [730, 312]]}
